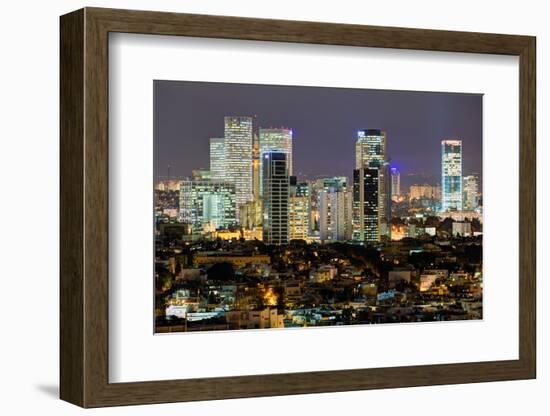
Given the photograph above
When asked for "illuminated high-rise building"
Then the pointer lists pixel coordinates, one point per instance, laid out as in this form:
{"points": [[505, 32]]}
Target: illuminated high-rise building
{"points": [[250, 214], [335, 215], [217, 158], [298, 210], [370, 148], [275, 181], [395, 183], [470, 187], [238, 157], [424, 191], [384, 197], [322, 184], [201, 175], [366, 206], [275, 140], [451, 175], [256, 168], [370, 153], [207, 204]]}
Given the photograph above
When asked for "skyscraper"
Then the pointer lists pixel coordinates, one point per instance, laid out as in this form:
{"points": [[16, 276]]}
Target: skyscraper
{"points": [[238, 157], [256, 168], [322, 184], [451, 175], [370, 153], [298, 210], [275, 140], [471, 188], [335, 215], [275, 181], [366, 216], [217, 158], [384, 197], [370, 148], [207, 204], [395, 183]]}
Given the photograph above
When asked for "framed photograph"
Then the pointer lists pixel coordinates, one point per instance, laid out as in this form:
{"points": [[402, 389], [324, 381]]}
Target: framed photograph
{"points": [[254, 207]]}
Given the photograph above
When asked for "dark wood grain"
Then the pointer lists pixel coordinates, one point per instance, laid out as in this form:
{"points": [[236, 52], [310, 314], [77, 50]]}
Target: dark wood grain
{"points": [[527, 208], [84, 207], [71, 100]]}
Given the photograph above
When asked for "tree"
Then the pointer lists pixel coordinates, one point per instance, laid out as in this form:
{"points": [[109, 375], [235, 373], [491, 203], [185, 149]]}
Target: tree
{"points": [[164, 280], [473, 253], [222, 272], [177, 269]]}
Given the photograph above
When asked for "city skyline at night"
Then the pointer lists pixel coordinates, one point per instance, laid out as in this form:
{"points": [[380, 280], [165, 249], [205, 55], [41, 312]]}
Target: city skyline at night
{"points": [[256, 227], [189, 114]]}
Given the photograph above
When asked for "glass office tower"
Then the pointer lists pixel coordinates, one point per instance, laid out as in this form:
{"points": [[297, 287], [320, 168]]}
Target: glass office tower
{"points": [[370, 153], [451, 175], [366, 207], [370, 148], [217, 158], [275, 140], [395, 183], [275, 198], [238, 157]]}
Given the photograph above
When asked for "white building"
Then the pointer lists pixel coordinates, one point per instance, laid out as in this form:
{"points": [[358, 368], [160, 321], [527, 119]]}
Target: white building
{"points": [[451, 175], [335, 215], [471, 188], [217, 158], [462, 229], [298, 212], [395, 183], [238, 157]]}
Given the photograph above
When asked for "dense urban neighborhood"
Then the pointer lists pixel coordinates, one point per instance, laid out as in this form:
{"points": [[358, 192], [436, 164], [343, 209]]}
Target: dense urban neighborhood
{"points": [[245, 244]]}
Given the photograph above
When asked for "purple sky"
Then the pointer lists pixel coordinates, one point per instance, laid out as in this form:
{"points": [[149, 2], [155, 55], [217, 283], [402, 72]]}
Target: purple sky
{"points": [[324, 122]]}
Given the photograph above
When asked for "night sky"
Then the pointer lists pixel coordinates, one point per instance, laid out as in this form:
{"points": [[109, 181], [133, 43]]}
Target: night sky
{"points": [[324, 122]]}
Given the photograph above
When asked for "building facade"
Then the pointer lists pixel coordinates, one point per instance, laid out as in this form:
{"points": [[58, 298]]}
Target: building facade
{"points": [[251, 214], [276, 192], [256, 168], [370, 155], [470, 186], [217, 158], [298, 210], [316, 187], [370, 147], [366, 218], [207, 205], [335, 215], [451, 175], [424, 191], [238, 157], [275, 140], [395, 183]]}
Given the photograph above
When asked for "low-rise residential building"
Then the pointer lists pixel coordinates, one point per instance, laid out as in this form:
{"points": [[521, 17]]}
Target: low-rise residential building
{"points": [[265, 318]]}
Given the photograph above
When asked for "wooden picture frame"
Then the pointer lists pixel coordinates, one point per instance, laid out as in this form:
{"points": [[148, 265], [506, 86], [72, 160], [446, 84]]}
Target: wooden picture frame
{"points": [[84, 207]]}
